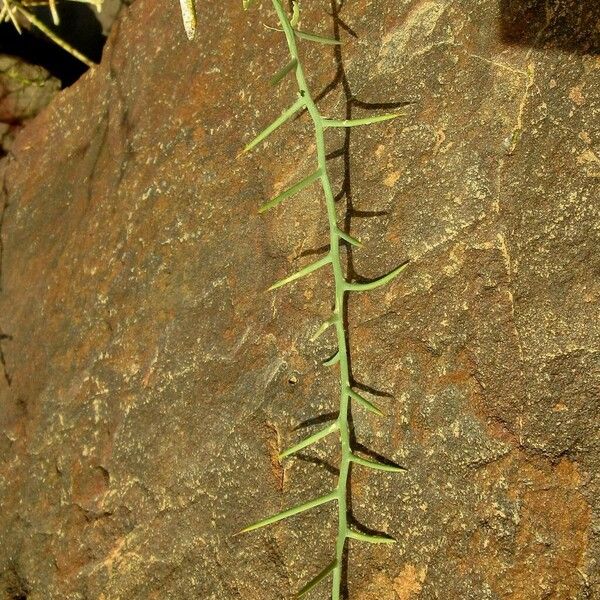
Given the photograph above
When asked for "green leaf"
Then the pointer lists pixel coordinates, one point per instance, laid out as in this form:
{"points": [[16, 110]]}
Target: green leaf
{"points": [[366, 404], [302, 273], [311, 439], [290, 112], [246, 3], [373, 539], [333, 360], [316, 580], [371, 285], [358, 122], [284, 71], [298, 187], [295, 14], [312, 37], [291, 512], [371, 464], [348, 238]]}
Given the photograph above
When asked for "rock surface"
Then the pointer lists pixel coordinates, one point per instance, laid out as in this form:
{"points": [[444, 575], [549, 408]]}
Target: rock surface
{"points": [[148, 381]]}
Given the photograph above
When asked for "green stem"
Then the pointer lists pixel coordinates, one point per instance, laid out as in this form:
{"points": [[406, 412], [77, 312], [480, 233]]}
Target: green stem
{"points": [[340, 289]]}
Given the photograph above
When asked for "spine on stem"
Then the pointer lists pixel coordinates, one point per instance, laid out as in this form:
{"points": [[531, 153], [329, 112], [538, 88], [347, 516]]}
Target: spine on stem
{"points": [[333, 259]]}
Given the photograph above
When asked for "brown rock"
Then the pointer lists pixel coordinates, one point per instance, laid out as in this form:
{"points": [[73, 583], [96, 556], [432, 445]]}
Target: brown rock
{"points": [[149, 381]]}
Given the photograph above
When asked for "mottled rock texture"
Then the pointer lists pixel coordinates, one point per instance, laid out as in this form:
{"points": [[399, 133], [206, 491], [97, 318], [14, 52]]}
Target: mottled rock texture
{"points": [[149, 380]]}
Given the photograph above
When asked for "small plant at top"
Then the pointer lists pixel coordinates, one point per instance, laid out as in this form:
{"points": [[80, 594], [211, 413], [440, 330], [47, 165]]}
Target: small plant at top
{"points": [[289, 26], [18, 12]]}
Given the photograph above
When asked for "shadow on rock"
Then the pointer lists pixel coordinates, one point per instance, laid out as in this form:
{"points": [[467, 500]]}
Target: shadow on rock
{"points": [[562, 24]]}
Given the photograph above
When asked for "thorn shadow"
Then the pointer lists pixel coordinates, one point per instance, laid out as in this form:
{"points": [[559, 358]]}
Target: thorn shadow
{"points": [[346, 192], [360, 279], [7, 376], [356, 524], [382, 105], [319, 420], [342, 24], [375, 455], [335, 154], [319, 462], [371, 390], [313, 251]]}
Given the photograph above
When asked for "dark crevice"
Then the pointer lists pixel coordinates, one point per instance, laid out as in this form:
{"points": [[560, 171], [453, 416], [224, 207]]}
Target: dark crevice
{"points": [[17, 588], [103, 127], [561, 24], [125, 123], [78, 26], [3, 209], [3, 336], [3, 366]]}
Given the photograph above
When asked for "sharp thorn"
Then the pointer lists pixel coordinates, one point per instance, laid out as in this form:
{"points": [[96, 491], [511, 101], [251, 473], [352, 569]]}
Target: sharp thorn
{"points": [[365, 403], [371, 464], [302, 273], [358, 122], [373, 539], [317, 579], [298, 187], [290, 512], [286, 115], [311, 439], [371, 285]]}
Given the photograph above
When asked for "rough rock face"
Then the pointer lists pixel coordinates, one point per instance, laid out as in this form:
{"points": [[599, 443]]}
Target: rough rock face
{"points": [[149, 380]]}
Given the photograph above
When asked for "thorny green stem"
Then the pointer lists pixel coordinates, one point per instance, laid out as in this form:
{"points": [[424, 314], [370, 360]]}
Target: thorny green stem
{"points": [[340, 290], [341, 356]]}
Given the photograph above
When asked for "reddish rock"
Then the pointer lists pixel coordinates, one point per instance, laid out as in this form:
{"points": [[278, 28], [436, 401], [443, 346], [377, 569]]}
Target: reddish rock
{"points": [[150, 381]]}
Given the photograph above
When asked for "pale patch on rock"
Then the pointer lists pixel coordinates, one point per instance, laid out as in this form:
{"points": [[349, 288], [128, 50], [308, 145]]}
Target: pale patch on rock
{"points": [[409, 583]]}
